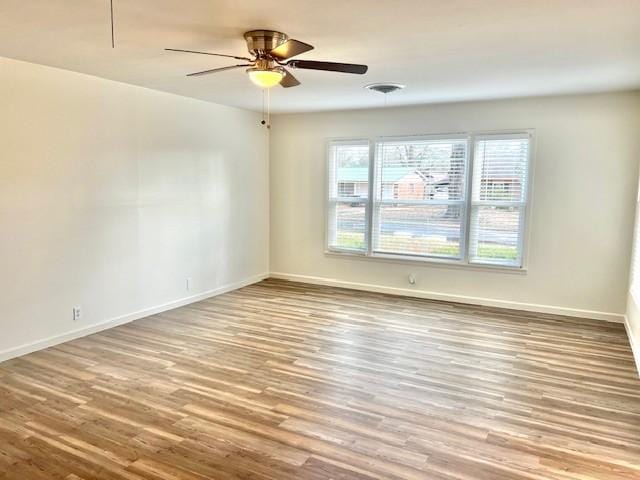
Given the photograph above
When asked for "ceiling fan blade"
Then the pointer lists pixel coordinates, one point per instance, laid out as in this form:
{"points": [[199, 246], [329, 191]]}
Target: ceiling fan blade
{"points": [[207, 53], [289, 49], [289, 80], [329, 66], [216, 70]]}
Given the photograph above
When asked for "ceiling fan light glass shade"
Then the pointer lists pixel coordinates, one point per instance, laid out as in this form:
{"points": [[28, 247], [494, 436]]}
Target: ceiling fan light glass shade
{"points": [[266, 78]]}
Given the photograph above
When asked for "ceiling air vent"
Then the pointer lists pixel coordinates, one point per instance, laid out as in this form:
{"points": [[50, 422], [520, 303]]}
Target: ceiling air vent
{"points": [[384, 87]]}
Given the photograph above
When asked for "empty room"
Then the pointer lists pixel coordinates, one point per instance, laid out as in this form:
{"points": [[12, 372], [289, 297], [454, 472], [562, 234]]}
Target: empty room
{"points": [[319, 240]]}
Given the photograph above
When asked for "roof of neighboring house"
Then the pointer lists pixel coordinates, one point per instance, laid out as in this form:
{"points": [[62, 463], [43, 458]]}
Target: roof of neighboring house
{"points": [[361, 174]]}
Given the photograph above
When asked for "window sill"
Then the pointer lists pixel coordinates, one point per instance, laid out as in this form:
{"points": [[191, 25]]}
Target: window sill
{"points": [[430, 262]]}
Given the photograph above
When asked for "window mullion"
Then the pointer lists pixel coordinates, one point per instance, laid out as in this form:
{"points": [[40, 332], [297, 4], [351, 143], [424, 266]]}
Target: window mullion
{"points": [[370, 198], [420, 202], [468, 198], [497, 203]]}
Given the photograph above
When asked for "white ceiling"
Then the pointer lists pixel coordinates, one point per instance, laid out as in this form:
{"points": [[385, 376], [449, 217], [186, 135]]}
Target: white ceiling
{"points": [[442, 50]]}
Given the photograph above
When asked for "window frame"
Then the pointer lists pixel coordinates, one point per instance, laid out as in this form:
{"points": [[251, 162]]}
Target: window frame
{"points": [[471, 137], [329, 201], [524, 205], [377, 203]]}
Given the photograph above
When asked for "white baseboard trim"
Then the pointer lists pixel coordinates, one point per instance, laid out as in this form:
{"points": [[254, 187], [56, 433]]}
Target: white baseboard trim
{"points": [[448, 297], [635, 348], [121, 320]]}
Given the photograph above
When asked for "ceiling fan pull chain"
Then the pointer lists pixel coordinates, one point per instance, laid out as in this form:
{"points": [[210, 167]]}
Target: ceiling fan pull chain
{"points": [[266, 120], [268, 107], [266, 110]]}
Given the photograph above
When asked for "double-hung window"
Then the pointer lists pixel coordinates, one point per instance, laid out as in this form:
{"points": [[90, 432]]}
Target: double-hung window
{"points": [[349, 174], [499, 199], [419, 197], [456, 198]]}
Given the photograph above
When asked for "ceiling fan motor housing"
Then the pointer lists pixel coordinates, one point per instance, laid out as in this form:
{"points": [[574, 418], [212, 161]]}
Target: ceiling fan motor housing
{"points": [[260, 42]]}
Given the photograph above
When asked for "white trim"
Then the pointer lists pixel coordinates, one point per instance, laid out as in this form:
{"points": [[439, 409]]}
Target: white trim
{"points": [[527, 133], [635, 349], [427, 137], [395, 201], [465, 238], [428, 261], [353, 199], [121, 320], [449, 297], [370, 206]]}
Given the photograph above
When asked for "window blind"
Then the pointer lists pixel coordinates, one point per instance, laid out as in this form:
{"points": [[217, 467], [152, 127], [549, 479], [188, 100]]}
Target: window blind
{"points": [[348, 195], [419, 197], [498, 199], [460, 198]]}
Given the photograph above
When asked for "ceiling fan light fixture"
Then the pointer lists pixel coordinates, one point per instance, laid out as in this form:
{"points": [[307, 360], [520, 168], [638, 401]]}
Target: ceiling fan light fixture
{"points": [[266, 78]]}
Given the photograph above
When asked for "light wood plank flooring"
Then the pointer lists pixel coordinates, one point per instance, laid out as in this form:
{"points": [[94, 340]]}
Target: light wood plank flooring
{"points": [[287, 381]]}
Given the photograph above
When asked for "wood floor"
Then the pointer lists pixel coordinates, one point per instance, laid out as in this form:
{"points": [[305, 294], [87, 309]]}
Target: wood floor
{"points": [[288, 381]]}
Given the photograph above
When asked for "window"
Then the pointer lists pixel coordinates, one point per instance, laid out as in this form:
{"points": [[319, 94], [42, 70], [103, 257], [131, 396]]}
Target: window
{"points": [[498, 199], [348, 196], [425, 216], [456, 198]]}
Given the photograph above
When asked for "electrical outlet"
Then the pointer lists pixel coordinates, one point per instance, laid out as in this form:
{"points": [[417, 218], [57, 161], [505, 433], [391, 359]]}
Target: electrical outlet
{"points": [[189, 283], [77, 313]]}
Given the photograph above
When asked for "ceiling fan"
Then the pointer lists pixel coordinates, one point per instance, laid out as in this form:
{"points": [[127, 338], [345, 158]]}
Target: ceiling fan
{"points": [[270, 53]]}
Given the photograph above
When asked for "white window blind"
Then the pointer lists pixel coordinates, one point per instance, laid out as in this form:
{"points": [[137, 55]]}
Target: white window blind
{"points": [[419, 204], [458, 198], [348, 195], [498, 199]]}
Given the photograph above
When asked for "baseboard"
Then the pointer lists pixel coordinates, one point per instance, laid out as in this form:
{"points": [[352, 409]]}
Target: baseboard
{"points": [[635, 348], [487, 302], [121, 320]]}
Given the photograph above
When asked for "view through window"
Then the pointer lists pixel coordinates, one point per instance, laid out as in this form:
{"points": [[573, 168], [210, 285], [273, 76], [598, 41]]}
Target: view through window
{"points": [[457, 198]]}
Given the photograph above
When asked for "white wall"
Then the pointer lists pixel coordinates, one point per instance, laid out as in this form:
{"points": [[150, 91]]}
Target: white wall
{"points": [[584, 182], [112, 195], [632, 317], [632, 325]]}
